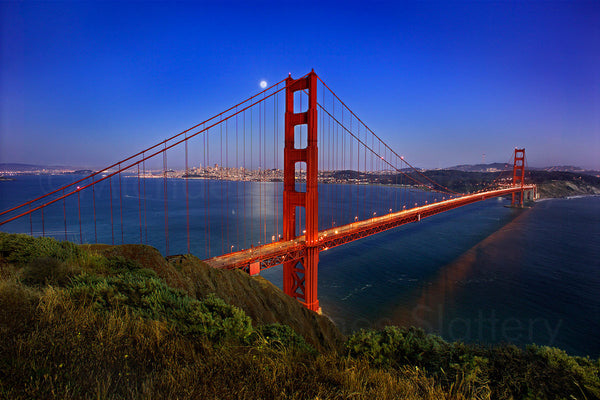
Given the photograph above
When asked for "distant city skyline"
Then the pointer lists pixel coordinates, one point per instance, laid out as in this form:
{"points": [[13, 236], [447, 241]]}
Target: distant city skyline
{"points": [[85, 84]]}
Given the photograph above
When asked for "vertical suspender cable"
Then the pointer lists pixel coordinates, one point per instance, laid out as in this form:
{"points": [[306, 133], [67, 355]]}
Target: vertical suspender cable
{"points": [[145, 213], [276, 160], [139, 202], [222, 205], [328, 150], [65, 213], [244, 177], [265, 175], [364, 165], [207, 149], [342, 188], [334, 187], [260, 177], [357, 169], [166, 200], [187, 195], [403, 194], [251, 191], [264, 170], [396, 192], [206, 193], [340, 155], [237, 184], [79, 214], [94, 207], [274, 184], [371, 174], [30, 221], [380, 178], [226, 166], [121, 204], [112, 227]]}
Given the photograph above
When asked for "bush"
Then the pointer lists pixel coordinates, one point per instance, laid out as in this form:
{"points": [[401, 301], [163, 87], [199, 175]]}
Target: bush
{"points": [[498, 372], [152, 298], [22, 249], [568, 375], [47, 271], [120, 264], [280, 337], [393, 346]]}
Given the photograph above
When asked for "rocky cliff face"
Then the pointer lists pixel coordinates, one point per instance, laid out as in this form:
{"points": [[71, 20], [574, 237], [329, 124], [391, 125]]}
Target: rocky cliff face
{"points": [[556, 189]]}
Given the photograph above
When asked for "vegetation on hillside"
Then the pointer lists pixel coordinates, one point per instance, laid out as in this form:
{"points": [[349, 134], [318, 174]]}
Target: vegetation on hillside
{"points": [[123, 322], [550, 183]]}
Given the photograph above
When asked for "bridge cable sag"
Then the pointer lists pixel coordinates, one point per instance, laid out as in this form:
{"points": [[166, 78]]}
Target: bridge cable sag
{"points": [[366, 146], [109, 176], [373, 133]]}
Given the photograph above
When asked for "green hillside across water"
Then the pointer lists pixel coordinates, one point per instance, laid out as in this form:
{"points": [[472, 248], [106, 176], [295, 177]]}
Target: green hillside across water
{"points": [[551, 184], [114, 322]]}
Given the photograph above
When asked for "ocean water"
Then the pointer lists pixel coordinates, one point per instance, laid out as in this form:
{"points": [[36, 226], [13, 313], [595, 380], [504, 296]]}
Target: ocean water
{"points": [[483, 273]]}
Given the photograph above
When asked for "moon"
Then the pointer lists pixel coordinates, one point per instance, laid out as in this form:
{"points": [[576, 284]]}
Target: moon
{"points": [[263, 84]]}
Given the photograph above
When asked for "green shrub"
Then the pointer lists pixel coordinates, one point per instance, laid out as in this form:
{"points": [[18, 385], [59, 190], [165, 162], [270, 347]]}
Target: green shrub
{"points": [[47, 271], [120, 264], [281, 337], [228, 322], [152, 298], [568, 374], [499, 372], [22, 249], [393, 346]]}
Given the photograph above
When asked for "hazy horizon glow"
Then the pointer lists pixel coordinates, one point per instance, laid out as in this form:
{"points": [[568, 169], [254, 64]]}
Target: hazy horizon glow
{"points": [[89, 83]]}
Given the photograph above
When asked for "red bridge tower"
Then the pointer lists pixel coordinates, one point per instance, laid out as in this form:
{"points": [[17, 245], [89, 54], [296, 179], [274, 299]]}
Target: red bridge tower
{"points": [[300, 277], [519, 175]]}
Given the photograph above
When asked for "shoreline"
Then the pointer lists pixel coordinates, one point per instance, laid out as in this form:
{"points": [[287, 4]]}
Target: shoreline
{"points": [[558, 189], [578, 196]]}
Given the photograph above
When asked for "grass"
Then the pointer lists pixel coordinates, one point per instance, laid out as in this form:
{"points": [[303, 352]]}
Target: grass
{"points": [[109, 322]]}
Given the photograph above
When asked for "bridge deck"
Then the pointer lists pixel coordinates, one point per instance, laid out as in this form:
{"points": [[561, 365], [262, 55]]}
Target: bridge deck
{"points": [[276, 253]]}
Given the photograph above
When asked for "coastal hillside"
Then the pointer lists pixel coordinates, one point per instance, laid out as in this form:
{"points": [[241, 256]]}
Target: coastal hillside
{"points": [[567, 188], [263, 302], [550, 183], [114, 322]]}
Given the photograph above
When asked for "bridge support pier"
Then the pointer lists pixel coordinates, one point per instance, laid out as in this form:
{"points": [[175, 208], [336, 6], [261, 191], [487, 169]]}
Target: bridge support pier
{"points": [[300, 278]]}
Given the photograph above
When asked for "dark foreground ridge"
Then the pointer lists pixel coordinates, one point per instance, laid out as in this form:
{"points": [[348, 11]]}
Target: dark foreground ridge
{"points": [[98, 321]]}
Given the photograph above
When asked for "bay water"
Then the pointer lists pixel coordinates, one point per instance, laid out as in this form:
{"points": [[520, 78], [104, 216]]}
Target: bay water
{"points": [[483, 273]]}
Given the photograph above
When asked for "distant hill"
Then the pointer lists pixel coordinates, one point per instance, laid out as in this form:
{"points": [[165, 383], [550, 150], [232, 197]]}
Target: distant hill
{"points": [[492, 167], [480, 167], [550, 183], [30, 167], [570, 168]]}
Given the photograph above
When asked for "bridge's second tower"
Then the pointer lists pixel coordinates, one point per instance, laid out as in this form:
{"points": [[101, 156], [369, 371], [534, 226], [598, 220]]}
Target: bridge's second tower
{"points": [[518, 175], [300, 278]]}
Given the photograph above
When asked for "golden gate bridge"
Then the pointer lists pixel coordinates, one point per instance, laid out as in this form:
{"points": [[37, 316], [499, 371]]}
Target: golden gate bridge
{"points": [[270, 216]]}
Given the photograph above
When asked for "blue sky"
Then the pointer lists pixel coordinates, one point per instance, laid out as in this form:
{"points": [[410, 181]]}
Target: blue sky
{"points": [[88, 83]]}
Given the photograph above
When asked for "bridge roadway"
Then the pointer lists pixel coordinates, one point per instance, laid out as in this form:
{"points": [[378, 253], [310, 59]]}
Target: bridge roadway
{"points": [[272, 254]]}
